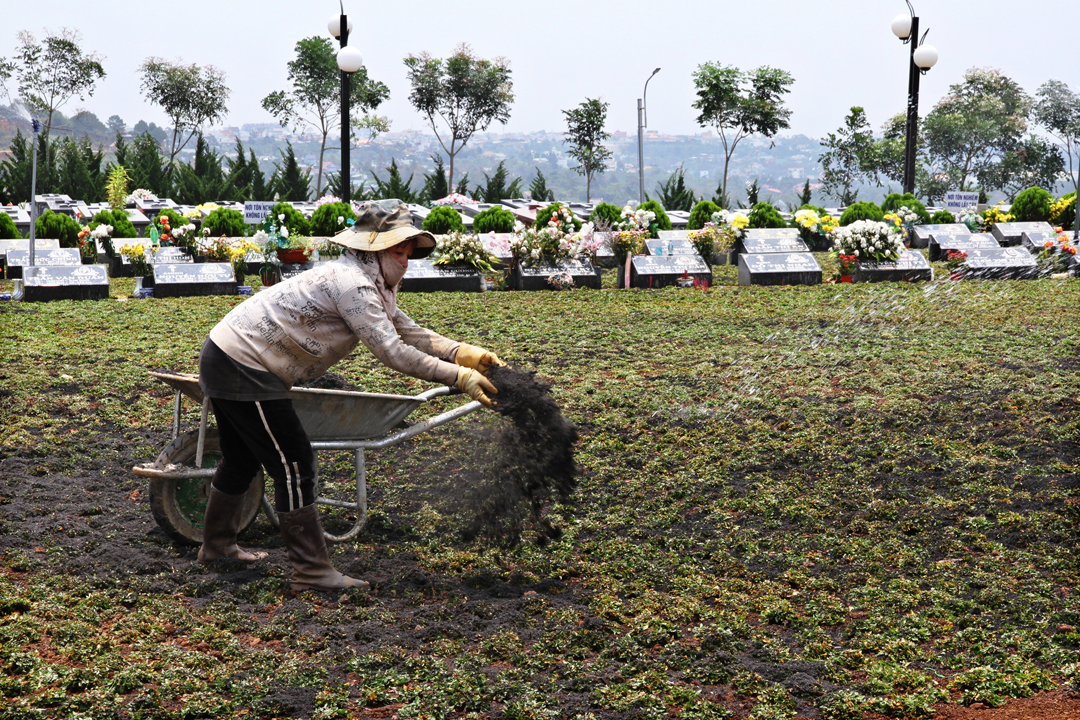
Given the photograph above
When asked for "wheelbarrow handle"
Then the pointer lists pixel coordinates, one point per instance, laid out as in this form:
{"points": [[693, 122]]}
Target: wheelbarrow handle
{"points": [[439, 392]]}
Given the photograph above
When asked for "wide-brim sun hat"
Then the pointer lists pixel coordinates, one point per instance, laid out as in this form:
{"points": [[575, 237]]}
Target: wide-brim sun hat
{"points": [[382, 224]]}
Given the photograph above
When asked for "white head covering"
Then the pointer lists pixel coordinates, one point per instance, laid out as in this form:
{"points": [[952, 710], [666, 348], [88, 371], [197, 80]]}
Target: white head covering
{"points": [[386, 272]]}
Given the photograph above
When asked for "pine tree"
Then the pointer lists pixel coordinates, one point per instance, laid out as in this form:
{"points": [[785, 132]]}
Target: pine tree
{"points": [[120, 151], [495, 188], [238, 177], [674, 195], [538, 190], [394, 187], [147, 165], [463, 186], [435, 184], [259, 189], [805, 196], [290, 183]]}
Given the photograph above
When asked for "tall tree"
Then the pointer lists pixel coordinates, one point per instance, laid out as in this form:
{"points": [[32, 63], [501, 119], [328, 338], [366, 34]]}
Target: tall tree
{"points": [[849, 158], [740, 103], [973, 128], [202, 180], [586, 136], [465, 92], [1057, 109], [147, 166], [1035, 162], [314, 99], [190, 95], [79, 170], [116, 124], [259, 187], [55, 70]]}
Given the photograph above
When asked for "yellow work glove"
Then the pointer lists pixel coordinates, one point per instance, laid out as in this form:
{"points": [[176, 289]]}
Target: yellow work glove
{"points": [[473, 384], [477, 358]]}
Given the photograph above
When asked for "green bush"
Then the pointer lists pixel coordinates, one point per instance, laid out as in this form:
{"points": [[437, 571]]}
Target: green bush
{"points": [[1032, 205], [605, 212], [8, 231], [663, 222], [121, 224], [324, 221], [227, 222], [175, 218], [764, 215], [544, 214], [1067, 218], [701, 214], [894, 201], [294, 219], [443, 219], [943, 217], [494, 219], [864, 210], [59, 226]]}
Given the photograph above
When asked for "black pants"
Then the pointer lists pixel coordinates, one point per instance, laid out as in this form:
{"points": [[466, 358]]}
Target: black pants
{"points": [[266, 433]]}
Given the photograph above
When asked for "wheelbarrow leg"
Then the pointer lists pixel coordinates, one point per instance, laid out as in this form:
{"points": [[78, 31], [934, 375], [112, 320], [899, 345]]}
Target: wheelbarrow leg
{"points": [[176, 415]]}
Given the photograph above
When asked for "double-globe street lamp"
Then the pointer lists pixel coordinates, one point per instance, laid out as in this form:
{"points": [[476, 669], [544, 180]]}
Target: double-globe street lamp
{"points": [[349, 61], [642, 121], [923, 57]]}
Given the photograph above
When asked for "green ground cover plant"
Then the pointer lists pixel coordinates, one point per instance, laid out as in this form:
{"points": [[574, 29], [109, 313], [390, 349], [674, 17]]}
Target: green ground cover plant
{"points": [[793, 501]]}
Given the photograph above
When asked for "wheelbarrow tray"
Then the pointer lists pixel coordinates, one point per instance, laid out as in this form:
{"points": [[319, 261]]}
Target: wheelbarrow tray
{"points": [[327, 415]]}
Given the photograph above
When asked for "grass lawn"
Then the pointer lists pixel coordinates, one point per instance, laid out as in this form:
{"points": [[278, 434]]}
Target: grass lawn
{"points": [[813, 501]]}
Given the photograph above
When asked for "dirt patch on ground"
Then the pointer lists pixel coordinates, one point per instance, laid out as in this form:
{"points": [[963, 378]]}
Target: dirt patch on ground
{"points": [[1056, 705]]}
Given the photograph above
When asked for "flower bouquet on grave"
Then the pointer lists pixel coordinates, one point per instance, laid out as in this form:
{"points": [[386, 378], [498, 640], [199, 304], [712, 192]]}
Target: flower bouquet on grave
{"points": [[995, 215], [814, 228], [971, 217], [710, 240], [215, 249], [634, 220], [847, 265], [627, 242], [868, 241], [458, 248], [956, 262], [546, 245], [140, 194], [903, 221], [135, 254], [1056, 257], [87, 246], [237, 257]]}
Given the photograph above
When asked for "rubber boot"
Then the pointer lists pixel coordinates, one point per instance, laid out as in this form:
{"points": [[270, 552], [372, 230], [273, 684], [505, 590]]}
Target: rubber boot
{"points": [[305, 547], [220, 526]]}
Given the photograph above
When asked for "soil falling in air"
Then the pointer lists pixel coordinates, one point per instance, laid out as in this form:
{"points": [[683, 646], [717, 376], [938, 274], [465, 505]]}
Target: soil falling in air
{"points": [[533, 461]]}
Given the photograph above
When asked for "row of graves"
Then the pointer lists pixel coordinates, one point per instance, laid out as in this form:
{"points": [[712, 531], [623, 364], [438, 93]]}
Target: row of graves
{"points": [[780, 257]]}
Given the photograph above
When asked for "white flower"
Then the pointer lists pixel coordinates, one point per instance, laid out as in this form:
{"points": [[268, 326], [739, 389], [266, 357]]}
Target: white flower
{"points": [[340, 220], [281, 217], [260, 237], [284, 231]]}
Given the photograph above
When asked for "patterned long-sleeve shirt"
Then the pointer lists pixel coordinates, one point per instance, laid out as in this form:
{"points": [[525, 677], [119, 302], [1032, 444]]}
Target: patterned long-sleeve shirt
{"points": [[299, 328]]}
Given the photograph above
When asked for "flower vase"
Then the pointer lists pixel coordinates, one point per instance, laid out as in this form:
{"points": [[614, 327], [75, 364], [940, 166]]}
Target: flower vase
{"points": [[138, 283], [955, 274], [292, 256], [846, 278]]}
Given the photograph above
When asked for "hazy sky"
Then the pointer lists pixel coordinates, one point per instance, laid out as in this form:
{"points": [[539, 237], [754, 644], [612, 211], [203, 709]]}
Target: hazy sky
{"points": [[841, 53]]}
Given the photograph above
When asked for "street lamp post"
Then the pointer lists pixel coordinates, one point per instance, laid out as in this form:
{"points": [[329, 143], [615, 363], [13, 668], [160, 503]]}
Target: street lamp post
{"points": [[349, 61], [642, 121], [923, 57]]}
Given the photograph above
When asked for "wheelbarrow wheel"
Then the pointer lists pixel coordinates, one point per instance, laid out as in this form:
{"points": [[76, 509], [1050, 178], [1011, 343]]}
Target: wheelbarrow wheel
{"points": [[178, 506]]}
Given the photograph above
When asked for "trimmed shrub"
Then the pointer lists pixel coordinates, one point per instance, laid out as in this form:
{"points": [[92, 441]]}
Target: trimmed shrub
{"points": [[8, 231], [494, 219], [59, 226], [175, 218], [294, 219], [894, 201], [544, 214], [607, 213], [121, 224], [764, 215], [663, 222], [1066, 219], [324, 221], [225, 221], [864, 210], [1032, 205], [701, 214], [443, 219], [943, 217]]}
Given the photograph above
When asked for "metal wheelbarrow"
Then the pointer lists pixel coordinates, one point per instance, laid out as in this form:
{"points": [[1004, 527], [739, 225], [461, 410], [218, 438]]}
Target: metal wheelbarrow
{"points": [[335, 420]]}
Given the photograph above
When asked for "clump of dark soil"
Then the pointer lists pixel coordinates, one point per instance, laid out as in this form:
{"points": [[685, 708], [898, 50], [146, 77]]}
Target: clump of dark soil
{"points": [[329, 381], [532, 463]]}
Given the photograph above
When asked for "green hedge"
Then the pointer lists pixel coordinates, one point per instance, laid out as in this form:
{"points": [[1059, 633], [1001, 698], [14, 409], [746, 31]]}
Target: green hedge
{"points": [[764, 215], [494, 219], [8, 231], [861, 211], [701, 214], [59, 226], [324, 221], [607, 213], [294, 219], [225, 221], [1032, 205], [443, 219]]}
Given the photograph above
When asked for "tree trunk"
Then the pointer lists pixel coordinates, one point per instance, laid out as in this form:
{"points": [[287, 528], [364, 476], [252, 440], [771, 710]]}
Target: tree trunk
{"points": [[318, 180]]}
